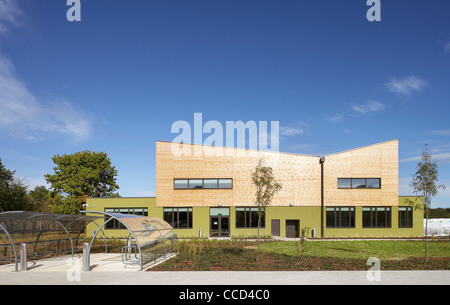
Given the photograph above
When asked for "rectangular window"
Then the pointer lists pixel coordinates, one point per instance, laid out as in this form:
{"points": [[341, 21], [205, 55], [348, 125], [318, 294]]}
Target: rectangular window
{"points": [[405, 217], [114, 224], [180, 183], [376, 217], [373, 183], [344, 183], [340, 217], [207, 183], [225, 183], [210, 183], [248, 218], [195, 183], [178, 218], [359, 183]]}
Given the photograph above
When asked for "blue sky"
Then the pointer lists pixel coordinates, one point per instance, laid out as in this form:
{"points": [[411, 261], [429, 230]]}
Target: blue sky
{"points": [[119, 79]]}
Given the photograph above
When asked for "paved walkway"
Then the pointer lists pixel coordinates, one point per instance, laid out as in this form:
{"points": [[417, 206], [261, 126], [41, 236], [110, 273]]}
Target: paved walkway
{"points": [[109, 270]]}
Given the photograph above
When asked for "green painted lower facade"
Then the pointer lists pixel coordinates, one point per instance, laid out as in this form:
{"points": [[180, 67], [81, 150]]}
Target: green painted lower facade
{"points": [[279, 221]]}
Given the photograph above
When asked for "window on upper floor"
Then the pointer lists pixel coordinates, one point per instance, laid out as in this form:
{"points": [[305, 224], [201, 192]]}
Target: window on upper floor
{"points": [[359, 183], [207, 183]]}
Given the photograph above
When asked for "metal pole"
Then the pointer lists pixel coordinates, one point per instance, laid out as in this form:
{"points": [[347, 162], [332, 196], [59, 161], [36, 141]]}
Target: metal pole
{"points": [[86, 259], [23, 257]]}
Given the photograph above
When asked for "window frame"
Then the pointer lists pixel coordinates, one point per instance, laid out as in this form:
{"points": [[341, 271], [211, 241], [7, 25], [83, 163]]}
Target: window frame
{"points": [[337, 215], [248, 217], [188, 186], [409, 214], [175, 220], [374, 217], [114, 224], [359, 188]]}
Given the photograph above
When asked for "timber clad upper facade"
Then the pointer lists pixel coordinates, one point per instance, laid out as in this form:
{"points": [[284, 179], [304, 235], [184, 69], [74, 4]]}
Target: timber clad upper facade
{"points": [[207, 191], [299, 175]]}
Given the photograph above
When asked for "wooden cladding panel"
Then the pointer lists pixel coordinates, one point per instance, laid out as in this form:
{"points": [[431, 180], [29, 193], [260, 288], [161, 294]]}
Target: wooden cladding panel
{"points": [[299, 175], [375, 161]]}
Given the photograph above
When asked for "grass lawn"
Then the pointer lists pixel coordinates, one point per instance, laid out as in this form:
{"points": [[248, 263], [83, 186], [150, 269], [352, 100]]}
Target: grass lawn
{"points": [[360, 249], [213, 255]]}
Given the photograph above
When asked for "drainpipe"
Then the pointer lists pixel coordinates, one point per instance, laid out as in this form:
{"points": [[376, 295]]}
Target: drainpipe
{"points": [[322, 206]]}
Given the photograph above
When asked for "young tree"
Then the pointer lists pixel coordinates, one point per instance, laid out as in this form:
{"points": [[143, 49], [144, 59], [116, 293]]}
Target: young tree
{"points": [[80, 175], [424, 184], [266, 188]]}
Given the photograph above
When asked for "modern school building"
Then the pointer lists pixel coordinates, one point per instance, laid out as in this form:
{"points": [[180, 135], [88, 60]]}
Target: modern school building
{"points": [[206, 191]]}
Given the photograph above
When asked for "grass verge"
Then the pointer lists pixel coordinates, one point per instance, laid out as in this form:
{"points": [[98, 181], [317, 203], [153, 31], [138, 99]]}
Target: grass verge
{"points": [[207, 255]]}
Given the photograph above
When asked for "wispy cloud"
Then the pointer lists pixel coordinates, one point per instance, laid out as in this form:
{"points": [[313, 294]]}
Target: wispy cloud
{"points": [[441, 157], [441, 132], [447, 47], [10, 15], [25, 115], [335, 118], [407, 85], [295, 129], [367, 107]]}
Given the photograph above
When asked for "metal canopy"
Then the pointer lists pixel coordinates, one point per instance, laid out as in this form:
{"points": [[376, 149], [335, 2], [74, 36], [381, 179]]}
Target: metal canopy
{"points": [[41, 230], [150, 237]]}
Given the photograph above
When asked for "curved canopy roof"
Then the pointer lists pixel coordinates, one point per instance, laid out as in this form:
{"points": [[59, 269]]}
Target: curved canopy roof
{"points": [[34, 227]]}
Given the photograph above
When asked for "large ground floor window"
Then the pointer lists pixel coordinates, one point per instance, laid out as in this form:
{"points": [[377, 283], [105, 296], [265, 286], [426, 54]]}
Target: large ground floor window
{"points": [[405, 217], [178, 218], [376, 217], [115, 224], [340, 217], [247, 217]]}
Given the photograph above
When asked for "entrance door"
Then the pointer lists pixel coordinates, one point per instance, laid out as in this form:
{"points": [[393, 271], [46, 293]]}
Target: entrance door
{"points": [[220, 226], [292, 228], [275, 227]]}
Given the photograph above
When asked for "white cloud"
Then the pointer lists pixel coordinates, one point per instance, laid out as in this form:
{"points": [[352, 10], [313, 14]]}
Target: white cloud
{"points": [[335, 118], [447, 47], [369, 106], [298, 128], [441, 132], [10, 15], [24, 115], [441, 157], [407, 85]]}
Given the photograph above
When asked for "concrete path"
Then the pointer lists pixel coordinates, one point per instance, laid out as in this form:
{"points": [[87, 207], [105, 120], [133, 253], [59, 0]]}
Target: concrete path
{"points": [[109, 270]]}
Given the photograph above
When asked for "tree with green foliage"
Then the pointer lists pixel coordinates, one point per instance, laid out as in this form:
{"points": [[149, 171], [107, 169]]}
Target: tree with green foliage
{"points": [[266, 187], [424, 184], [78, 176], [40, 197], [13, 192]]}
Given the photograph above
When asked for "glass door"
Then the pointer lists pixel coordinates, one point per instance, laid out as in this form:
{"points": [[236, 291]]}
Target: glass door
{"points": [[219, 222], [214, 226]]}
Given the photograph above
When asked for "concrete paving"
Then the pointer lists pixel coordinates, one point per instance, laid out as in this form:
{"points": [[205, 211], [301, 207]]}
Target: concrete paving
{"points": [[109, 270]]}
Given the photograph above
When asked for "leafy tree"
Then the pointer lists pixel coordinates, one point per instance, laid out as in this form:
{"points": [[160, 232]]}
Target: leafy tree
{"points": [[40, 197], [78, 176], [13, 193], [266, 188], [424, 184]]}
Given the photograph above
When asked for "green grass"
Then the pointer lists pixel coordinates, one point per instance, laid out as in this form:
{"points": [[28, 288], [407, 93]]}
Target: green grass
{"points": [[381, 249], [213, 255]]}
